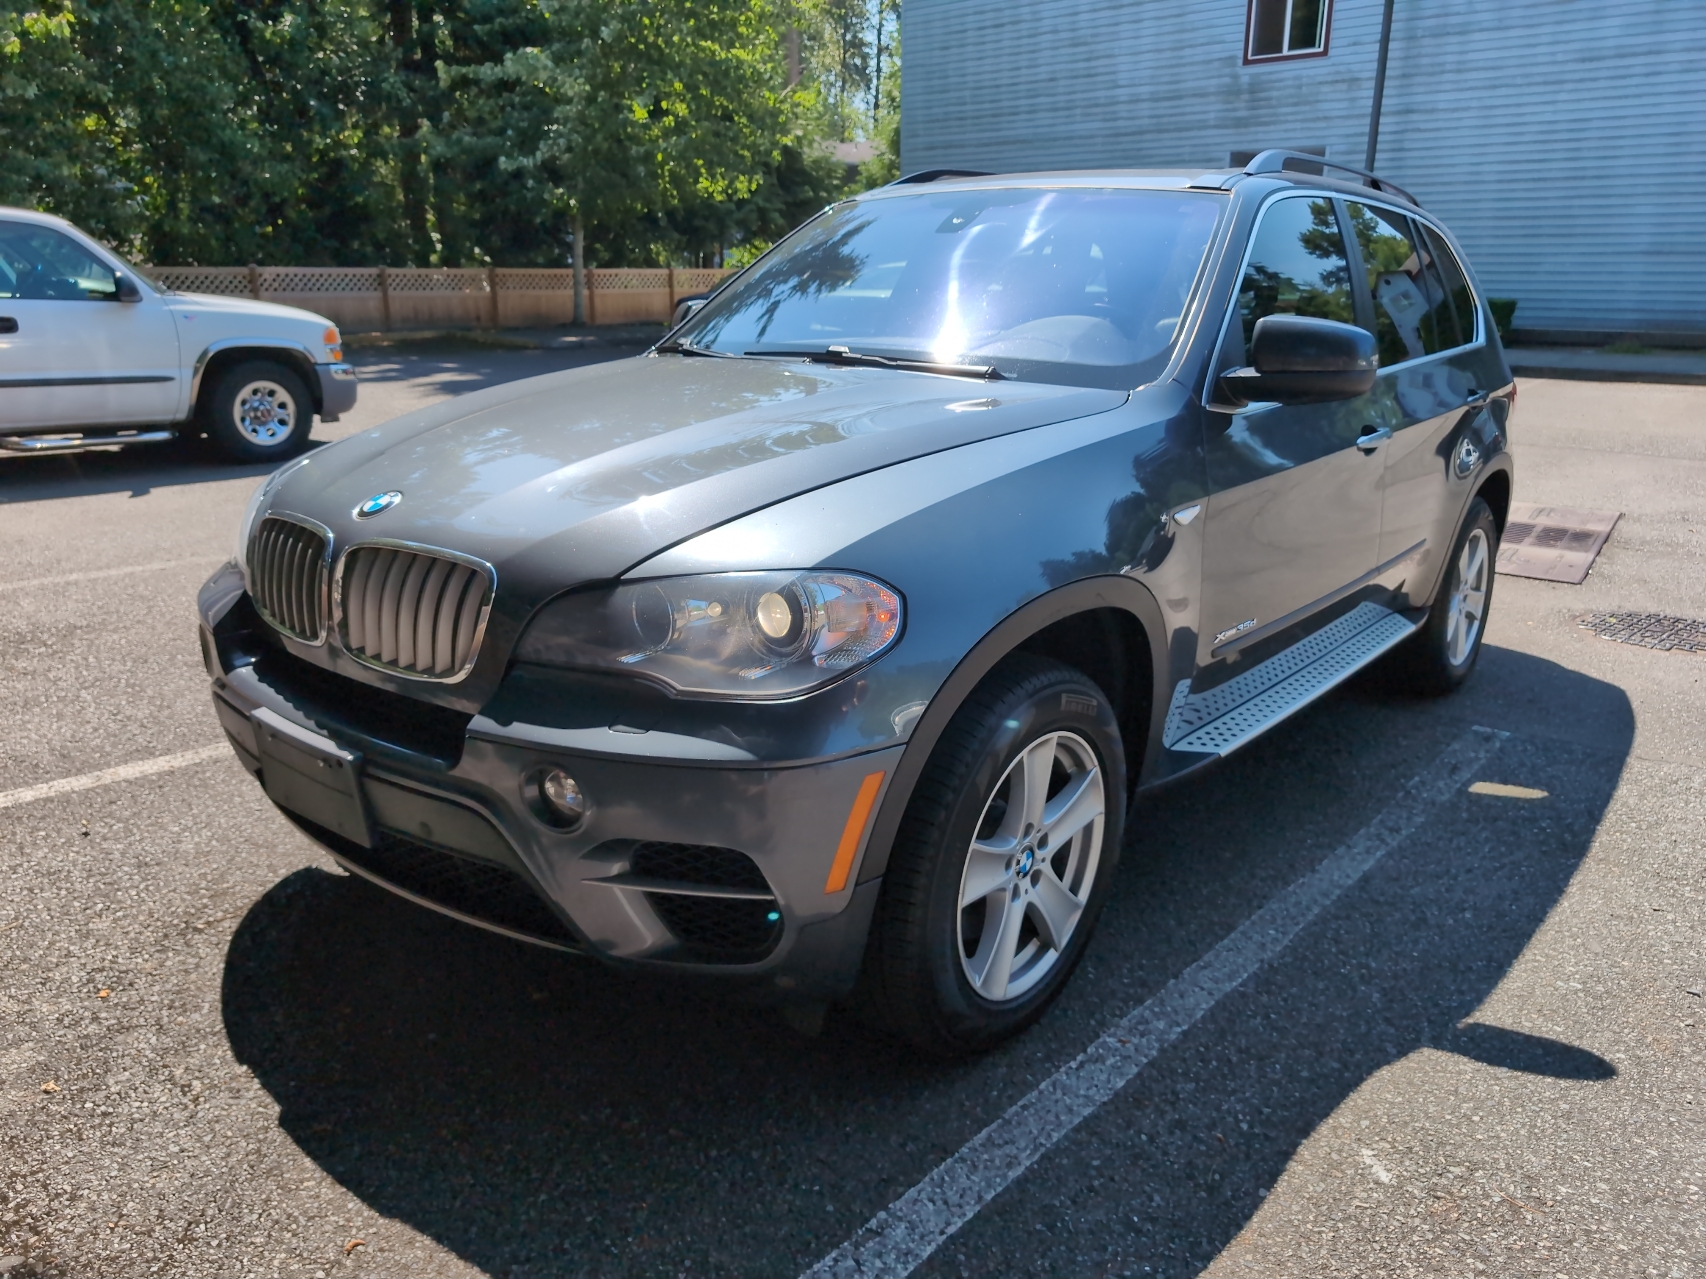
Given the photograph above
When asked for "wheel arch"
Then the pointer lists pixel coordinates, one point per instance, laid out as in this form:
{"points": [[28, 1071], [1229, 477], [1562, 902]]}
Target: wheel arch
{"points": [[225, 353], [1495, 490], [1110, 627]]}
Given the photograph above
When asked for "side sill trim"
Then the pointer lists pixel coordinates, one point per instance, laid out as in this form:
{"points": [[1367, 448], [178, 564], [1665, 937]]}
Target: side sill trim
{"points": [[1330, 598]]}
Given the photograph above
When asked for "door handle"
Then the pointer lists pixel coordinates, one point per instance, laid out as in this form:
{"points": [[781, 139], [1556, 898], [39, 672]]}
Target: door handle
{"points": [[1373, 437], [8, 324]]}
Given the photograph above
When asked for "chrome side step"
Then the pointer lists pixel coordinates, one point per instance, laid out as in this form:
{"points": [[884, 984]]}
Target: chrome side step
{"points": [[79, 441], [1227, 716]]}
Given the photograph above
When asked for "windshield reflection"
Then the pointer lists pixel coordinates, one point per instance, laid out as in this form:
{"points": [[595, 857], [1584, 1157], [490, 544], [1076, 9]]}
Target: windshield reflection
{"points": [[1085, 287]]}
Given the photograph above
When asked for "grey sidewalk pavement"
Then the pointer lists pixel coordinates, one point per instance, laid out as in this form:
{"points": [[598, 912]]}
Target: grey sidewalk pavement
{"points": [[1596, 365]]}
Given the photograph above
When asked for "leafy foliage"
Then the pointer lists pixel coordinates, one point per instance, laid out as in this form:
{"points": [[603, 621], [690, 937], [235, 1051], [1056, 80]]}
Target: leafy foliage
{"points": [[431, 132]]}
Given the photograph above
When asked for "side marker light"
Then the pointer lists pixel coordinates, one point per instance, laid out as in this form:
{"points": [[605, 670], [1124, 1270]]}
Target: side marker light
{"points": [[857, 818]]}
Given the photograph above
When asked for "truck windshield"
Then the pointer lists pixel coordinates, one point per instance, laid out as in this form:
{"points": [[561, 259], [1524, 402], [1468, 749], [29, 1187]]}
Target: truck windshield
{"points": [[1079, 286]]}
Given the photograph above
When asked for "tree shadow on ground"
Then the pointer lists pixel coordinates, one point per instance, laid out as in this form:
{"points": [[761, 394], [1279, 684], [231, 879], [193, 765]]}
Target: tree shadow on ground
{"points": [[542, 1116]]}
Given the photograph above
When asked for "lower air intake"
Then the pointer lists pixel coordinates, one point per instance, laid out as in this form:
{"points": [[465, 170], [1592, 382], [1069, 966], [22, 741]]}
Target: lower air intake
{"points": [[483, 892], [711, 930]]}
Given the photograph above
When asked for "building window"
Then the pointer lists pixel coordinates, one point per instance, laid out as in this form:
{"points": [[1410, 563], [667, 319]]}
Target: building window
{"points": [[1287, 29]]}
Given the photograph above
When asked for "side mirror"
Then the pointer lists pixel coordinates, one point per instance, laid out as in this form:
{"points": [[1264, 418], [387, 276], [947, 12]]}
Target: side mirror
{"points": [[1297, 359], [685, 308], [126, 288]]}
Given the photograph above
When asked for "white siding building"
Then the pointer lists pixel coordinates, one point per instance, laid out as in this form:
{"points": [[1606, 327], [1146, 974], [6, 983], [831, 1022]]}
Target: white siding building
{"points": [[1564, 141]]}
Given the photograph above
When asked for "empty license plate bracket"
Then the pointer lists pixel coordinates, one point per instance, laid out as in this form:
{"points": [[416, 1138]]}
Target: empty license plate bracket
{"points": [[312, 776]]}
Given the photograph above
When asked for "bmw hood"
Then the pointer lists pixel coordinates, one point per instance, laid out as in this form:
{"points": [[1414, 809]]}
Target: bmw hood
{"points": [[578, 476]]}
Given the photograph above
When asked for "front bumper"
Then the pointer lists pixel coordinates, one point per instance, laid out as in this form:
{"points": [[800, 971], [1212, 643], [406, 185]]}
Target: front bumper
{"points": [[337, 390], [739, 872]]}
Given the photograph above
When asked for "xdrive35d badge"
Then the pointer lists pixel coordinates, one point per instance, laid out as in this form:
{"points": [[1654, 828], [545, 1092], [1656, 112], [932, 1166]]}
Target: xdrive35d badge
{"points": [[377, 503], [757, 658]]}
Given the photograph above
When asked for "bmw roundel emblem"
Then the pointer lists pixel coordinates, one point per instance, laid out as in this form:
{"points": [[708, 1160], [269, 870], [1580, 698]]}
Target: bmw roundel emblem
{"points": [[377, 503]]}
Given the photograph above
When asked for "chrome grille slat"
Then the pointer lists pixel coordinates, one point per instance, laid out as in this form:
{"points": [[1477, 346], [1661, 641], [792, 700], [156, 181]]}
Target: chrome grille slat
{"points": [[416, 612], [444, 637], [287, 577]]}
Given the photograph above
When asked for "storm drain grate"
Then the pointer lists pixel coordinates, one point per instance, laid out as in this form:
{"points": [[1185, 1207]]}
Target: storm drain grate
{"points": [[1553, 543], [1649, 630]]}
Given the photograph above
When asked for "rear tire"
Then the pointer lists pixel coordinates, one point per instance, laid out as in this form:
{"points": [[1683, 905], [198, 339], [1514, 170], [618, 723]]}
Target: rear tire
{"points": [[1440, 657], [1001, 864], [258, 411]]}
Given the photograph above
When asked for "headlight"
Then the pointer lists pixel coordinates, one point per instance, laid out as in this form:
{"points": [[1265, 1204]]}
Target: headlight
{"points": [[334, 345], [750, 635]]}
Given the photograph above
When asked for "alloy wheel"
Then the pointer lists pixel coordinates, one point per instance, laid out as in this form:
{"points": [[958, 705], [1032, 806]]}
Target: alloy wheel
{"points": [[1468, 598], [1030, 867]]}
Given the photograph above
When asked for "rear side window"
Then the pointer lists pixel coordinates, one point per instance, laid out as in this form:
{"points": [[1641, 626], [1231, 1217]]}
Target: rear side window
{"points": [[1411, 318], [1298, 266], [1456, 284], [41, 264]]}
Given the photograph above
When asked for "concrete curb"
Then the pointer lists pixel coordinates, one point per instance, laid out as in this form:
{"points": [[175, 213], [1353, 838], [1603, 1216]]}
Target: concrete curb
{"points": [[622, 335]]}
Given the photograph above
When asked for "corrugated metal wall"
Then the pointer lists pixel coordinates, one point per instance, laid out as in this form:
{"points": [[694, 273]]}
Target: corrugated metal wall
{"points": [[1564, 141]]}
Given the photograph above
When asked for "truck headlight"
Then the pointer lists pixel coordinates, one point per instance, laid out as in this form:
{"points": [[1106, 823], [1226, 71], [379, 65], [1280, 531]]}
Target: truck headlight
{"points": [[745, 635]]}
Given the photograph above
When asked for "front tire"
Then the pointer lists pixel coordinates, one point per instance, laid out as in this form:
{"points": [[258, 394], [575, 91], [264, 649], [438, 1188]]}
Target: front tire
{"points": [[1440, 657], [258, 411], [1001, 865]]}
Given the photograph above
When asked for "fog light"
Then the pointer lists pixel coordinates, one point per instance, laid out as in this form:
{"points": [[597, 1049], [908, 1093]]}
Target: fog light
{"points": [[562, 796]]}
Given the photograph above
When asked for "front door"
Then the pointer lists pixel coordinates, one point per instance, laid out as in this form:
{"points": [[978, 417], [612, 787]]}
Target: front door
{"points": [[71, 354], [1293, 519]]}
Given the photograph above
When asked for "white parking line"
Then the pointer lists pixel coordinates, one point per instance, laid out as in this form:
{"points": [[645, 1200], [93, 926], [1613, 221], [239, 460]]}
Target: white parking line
{"points": [[93, 574], [899, 1238], [123, 773]]}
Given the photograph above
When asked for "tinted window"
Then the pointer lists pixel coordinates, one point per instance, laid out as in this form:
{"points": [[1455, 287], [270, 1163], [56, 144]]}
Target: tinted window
{"points": [[1408, 308], [1456, 285], [38, 262], [1078, 286], [1297, 266]]}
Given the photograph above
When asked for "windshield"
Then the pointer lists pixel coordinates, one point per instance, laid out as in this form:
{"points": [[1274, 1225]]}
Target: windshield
{"points": [[1085, 287]]}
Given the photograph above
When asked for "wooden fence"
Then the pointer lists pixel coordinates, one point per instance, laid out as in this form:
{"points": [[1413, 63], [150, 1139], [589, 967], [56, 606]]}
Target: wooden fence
{"points": [[371, 299]]}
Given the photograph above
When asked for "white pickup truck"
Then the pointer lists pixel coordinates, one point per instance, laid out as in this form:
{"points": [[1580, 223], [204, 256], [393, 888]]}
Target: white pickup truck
{"points": [[93, 354]]}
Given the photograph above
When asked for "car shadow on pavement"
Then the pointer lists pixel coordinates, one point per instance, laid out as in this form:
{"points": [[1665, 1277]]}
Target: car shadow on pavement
{"points": [[538, 1115], [137, 471]]}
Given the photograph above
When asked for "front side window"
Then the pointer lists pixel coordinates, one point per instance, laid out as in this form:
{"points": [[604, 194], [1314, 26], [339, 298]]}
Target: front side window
{"points": [[41, 264], [1298, 266], [1411, 317], [1081, 287], [1287, 29]]}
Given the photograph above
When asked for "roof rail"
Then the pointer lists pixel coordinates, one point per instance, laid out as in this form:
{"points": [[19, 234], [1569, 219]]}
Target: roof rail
{"points": [[1279, 161], [934, 175]]}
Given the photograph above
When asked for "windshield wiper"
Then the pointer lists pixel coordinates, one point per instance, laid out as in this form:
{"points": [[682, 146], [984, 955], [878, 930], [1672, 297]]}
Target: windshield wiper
{"points": [[841, 355], [687, 348]]}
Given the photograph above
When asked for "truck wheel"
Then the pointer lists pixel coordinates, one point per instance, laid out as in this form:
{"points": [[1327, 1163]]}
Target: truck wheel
{"points": [[1001, 864], [258, 411], [1439, 657]]}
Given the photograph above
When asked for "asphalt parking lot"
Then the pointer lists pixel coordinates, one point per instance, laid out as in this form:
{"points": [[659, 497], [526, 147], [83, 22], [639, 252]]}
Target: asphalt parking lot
{"points": [[1484, 1055]]}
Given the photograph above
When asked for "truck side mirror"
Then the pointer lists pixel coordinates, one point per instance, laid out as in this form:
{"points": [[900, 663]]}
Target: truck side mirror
{"points": [[1296, 359], [125, 288]]}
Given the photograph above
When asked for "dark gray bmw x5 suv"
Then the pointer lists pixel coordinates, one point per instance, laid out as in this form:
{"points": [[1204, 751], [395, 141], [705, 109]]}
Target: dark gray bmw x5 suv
{"points": [[821, 648]]}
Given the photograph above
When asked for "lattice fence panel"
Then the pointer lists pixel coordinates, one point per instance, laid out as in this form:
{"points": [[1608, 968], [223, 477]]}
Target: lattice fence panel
{"points": [[698, 279], [223, 281], [442, 280], [297, 280], [628, 279], [536, 279]]}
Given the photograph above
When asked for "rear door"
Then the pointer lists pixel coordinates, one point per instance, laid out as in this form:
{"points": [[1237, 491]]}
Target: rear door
{"points": [[1294, 512], [1433, 384], [72, 354]]}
